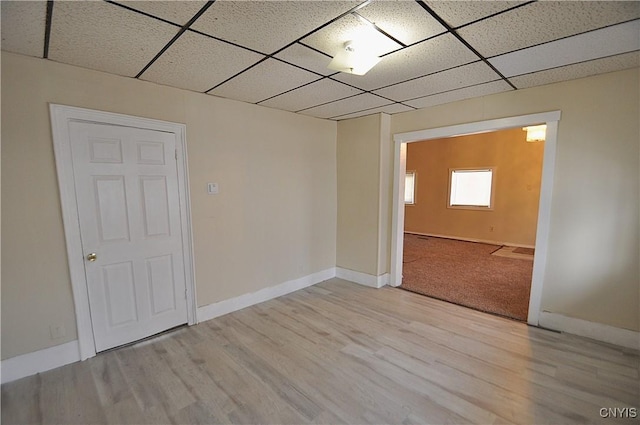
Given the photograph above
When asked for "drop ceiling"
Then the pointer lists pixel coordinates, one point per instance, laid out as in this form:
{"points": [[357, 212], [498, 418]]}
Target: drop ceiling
{"points": [[275, 53]]}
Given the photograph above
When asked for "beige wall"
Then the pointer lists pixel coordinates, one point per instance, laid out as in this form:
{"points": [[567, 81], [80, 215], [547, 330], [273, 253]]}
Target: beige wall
{"points": [[594, 244], [358, 163], [274, 219], [592, 268], [364, 162], [518, 168]]}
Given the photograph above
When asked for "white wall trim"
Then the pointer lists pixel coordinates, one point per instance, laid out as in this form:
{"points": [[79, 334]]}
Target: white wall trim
{"points": [[61, 116], [230, 305], [546, 190], [40, 361], [460, 238], [363, 278], [598, 331]]}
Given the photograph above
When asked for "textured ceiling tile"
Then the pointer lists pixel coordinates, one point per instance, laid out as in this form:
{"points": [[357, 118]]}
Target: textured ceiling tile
{"points": [[424, 58], [578, 70], [389, 109], [457, 13], [317, 93], [267, 26], [331, 38], [264, 80], [608, 41], [105, 37], [404, 20], [193, 63], [472, 74], [306, 58], [23, 24], [545, 21], [176, 11], [346, 106], [460, 94]]}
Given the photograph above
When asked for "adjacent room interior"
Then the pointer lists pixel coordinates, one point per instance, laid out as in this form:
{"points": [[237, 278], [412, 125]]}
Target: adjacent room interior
{"points": [[471, 212], [200, 208]]}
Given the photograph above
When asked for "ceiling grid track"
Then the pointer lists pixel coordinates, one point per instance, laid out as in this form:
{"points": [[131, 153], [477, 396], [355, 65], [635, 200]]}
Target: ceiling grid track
{"points": [[421, 68], [271, 55], [177, 36], [47, 29], [453, 32]]}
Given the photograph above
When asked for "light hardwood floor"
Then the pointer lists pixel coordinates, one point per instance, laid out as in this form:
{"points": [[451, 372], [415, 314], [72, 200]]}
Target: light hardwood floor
{"points": [[339, 353]]}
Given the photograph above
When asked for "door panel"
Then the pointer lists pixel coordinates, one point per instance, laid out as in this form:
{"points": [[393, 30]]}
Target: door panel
{"points": [[128, 206], [155, 204], [119, 289], [111, 207], [160, 275]]}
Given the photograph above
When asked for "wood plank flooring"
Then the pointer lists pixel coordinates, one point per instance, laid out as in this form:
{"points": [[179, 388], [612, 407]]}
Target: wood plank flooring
{"points": [[340, 353]]}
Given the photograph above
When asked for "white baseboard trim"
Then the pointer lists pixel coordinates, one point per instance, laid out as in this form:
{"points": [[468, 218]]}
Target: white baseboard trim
{"points": [[39, 361], [598, 331], [363, 278], [221, 308], [460, 238]]}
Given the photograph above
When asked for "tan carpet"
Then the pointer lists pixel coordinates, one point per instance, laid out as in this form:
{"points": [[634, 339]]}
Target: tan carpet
{"points": [[466, 273]]}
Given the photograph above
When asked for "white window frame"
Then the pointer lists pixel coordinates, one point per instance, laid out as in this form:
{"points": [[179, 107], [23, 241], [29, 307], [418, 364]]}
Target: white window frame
{"points": [[415, 180], [474, 207]]}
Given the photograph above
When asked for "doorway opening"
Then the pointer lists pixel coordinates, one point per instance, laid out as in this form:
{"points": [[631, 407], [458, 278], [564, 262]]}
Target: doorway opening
{"points": [[542, 223], [471, 221]]}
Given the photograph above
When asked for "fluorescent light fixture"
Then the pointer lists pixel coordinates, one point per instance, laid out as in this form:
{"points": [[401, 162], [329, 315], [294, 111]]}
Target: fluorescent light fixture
{"points": [[536, 133], [354, 59]]}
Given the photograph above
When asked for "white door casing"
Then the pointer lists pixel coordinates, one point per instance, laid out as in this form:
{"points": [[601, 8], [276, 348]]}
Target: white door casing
{"points": [[544, 206], [124, 192]]}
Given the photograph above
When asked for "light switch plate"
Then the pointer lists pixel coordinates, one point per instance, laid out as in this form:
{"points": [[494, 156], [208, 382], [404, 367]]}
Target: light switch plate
{"points": [[212, 188]]}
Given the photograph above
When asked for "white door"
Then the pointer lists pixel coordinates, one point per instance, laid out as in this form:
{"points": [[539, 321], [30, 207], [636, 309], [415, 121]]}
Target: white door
{"points": [[128, 204]]}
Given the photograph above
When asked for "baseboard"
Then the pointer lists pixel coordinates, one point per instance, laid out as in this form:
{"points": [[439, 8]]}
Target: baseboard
{"points": [[363, 278], [39, 361], [221, 308], [459, 238], [593, 330]]}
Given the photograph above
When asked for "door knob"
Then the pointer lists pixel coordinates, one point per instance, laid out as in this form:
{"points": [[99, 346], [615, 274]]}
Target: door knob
{"points": [[92, 256]]}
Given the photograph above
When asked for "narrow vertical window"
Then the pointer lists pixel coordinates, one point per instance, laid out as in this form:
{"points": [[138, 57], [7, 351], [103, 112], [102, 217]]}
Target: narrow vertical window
{"points": [[410, 188], [471, 188]]}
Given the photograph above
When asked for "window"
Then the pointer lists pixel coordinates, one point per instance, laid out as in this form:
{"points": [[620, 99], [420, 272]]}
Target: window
{"points": [[471, 188], [410, 188]]}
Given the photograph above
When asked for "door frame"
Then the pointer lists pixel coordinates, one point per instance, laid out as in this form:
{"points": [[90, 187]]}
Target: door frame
{"points": [[544, 204], [61, 116]]}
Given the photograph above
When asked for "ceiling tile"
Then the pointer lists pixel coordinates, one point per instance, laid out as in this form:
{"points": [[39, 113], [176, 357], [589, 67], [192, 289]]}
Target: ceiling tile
{"points": [[544, 21], [193, 63], [608, 41], [431, 56], [103, 36], [457, 13], [178, 12], [267, 26], [346, 106], [23, 24], [463, 76], [264, 80], [331, 38], [578, 70], [313, 94], [460, 94], [404, 20], [394, 108], [307, 58]]}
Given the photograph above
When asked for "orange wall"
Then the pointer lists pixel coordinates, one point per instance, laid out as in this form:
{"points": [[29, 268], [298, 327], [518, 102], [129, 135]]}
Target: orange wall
{"points": [[517, 187]]}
